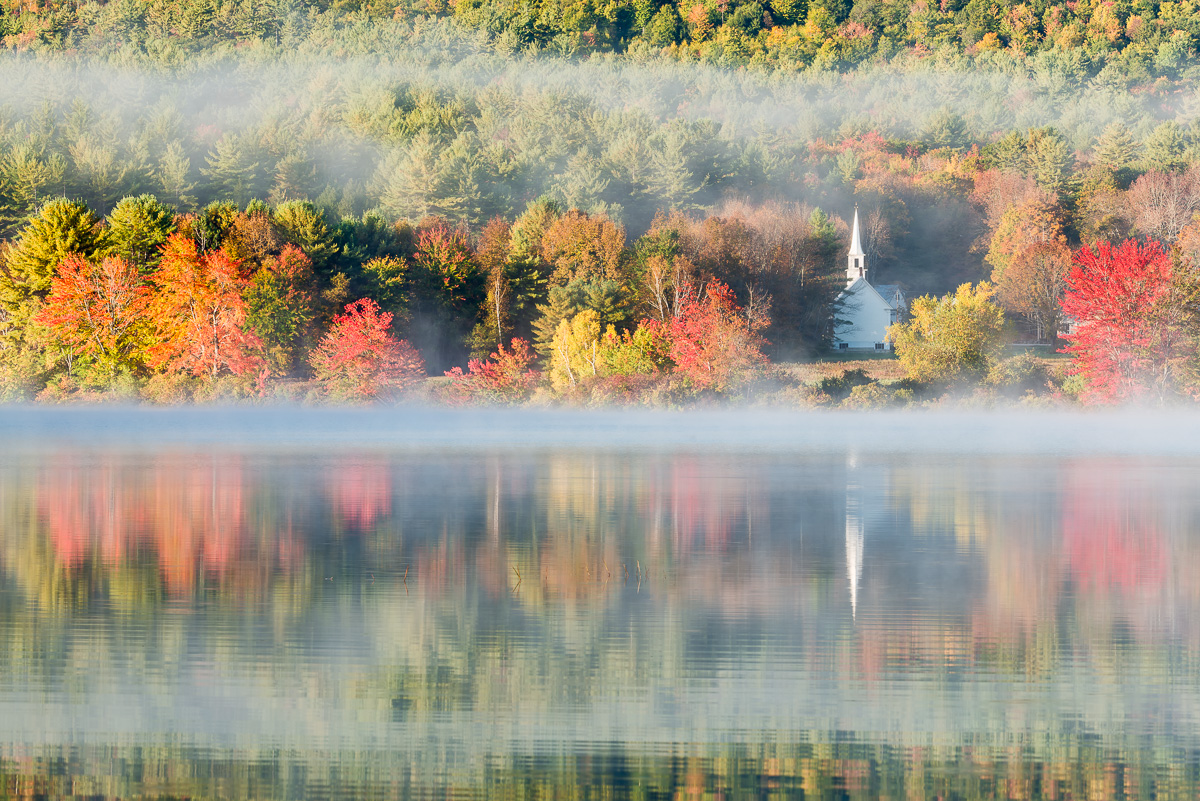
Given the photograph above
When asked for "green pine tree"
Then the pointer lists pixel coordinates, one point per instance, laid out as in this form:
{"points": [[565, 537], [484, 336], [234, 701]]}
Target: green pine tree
{"points": [[304, 225], [137, 228], [60, 228], [1165, 147], [234, 169], [173, 173], [1115, 148], [1048, 158], [27, 176]]}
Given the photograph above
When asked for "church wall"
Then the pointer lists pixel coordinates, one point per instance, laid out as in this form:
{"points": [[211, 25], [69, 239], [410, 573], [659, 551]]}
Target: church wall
{"points": [[869, 318]]}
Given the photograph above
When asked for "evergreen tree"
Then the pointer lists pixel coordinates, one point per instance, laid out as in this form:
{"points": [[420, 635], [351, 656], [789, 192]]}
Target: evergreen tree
{"points": [[61, 227], [1048, 159], [234, 169], [295, 178], [562, 303], [1008, 154], [672, 177], [137, 229], [213, 224], [1115, 148], [410, 179], [100, 173], [946, 129], [173, 171], [27, 176], [1165, 147], [304, 225], [530, 227]]}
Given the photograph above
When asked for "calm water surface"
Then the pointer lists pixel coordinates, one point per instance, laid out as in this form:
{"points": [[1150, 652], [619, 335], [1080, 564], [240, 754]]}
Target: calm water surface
{"points": [[188, 610]]}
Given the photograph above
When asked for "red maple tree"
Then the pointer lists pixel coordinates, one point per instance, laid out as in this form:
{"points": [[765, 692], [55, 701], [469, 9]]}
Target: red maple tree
{"points": [[360, 359], [712, 342], [200, 314], [1128, 319], [97, 310], [504, 377]]}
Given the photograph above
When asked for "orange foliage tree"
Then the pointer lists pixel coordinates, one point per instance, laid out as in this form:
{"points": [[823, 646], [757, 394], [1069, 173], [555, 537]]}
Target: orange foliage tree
{"points": [[359, 358], [579, 246], [98, 310], [199, 313], [1034, 284], [1022, 227], [504, 377]]}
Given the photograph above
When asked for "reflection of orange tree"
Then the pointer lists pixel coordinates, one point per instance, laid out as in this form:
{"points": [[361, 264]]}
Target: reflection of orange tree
{"points": [[199, 515], [87, 510], [704, 503], [684, 503], [195, 516], [188, 515]]}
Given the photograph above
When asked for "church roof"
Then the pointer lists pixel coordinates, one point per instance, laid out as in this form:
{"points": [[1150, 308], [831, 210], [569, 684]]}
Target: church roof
{"points": [[892, 293]]}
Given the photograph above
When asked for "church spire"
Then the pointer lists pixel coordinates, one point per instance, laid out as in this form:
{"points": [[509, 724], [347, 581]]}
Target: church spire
{"points": [[856, 261]]}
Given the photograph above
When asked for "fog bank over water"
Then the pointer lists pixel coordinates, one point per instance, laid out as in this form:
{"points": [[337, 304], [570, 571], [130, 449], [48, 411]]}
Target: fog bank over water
{"points": [[1166, 431]]}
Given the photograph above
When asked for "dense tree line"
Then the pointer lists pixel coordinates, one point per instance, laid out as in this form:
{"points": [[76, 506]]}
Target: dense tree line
{"points": [[1126, 41], [228, 301]]}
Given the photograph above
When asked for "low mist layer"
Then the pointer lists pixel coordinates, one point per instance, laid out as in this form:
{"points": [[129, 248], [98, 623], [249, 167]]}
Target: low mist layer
{"points": [[416, 429]]}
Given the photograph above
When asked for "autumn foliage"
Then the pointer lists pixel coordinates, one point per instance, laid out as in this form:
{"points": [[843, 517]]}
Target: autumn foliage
{"points": [[713, 344], [199, 313], [504, 377], [1129, 315], [98, 309], [359, 358]]}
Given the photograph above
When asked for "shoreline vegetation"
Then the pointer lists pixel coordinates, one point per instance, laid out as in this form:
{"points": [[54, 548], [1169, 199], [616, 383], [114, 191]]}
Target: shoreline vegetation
{"points": [[642, 203]]}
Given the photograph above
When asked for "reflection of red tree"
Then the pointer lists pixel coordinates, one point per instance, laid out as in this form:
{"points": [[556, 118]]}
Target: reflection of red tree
{"points": [[1111, 534], [87, 511], [704, 502], [360, 491]]}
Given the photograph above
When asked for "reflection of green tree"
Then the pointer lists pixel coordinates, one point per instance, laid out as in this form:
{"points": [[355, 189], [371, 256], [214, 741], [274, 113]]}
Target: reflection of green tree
{"points": [[819, 767]]}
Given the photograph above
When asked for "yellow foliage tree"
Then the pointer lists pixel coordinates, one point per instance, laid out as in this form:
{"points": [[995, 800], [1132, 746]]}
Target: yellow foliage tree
{"points": [[950, 338], [576, 352]]}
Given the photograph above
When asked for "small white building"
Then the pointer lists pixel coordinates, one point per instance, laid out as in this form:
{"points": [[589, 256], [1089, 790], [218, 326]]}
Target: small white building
{"points": [[865, 311]]}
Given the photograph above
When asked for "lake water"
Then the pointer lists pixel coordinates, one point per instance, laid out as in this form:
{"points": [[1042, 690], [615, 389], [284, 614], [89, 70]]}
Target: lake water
{"points": [[303, 604]]}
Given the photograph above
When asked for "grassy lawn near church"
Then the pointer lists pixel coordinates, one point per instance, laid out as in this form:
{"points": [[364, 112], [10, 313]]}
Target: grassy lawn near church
{"points": [[878, 367]]}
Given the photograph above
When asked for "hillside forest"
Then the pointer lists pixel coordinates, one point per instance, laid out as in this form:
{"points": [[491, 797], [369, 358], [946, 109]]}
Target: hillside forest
{"points": [[623, 202]]}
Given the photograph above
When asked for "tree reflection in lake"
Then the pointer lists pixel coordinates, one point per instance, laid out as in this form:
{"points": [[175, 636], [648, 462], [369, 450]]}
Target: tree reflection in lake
{"points": [[398, 624]]}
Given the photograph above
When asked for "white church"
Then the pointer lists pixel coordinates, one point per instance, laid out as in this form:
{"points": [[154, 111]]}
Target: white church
{"points": [[866, 311]]}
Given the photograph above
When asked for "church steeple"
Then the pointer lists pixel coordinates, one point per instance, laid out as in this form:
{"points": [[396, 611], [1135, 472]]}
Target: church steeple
{"points": [[856, 261]]}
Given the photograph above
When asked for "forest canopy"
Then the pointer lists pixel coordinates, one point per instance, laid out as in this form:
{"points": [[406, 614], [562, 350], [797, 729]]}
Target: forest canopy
{"points": [[445, 162]]}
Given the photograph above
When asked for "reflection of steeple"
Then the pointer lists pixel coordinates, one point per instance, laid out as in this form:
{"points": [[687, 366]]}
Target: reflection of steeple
{"points": [[854, 546], [854, 530]]}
